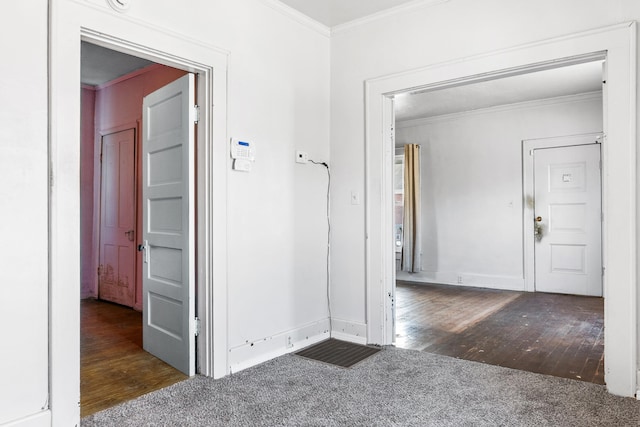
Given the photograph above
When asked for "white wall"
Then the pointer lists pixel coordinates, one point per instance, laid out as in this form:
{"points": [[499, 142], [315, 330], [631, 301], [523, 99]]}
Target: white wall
{"points": [[278, 91], [472, 198], [23, 217], [420, 38]]}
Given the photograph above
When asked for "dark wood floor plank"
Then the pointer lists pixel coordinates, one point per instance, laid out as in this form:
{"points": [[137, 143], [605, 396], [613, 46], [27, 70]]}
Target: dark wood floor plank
{"points": [[113, 366], [552, 334]]}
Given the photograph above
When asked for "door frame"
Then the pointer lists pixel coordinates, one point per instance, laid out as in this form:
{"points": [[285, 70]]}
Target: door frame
{"points": [[70, 23], [528, 145], [618, 44]]}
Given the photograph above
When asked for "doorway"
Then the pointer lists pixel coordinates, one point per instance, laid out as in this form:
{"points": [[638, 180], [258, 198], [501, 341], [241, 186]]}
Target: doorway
{"points": [[120, 352], [611, 44], [466, 300], [70, 24]]}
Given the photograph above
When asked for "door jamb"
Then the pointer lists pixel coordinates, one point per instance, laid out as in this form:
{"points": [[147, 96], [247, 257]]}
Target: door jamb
{"points": [[528, 145]]}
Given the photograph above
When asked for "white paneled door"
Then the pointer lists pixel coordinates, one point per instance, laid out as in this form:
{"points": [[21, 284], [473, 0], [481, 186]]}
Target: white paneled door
{"points": [[168, 281], [117, 269], [567, 220]]}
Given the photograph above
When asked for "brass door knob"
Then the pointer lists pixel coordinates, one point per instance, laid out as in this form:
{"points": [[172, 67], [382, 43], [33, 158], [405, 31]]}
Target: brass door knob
{"points": [[538, 219]]}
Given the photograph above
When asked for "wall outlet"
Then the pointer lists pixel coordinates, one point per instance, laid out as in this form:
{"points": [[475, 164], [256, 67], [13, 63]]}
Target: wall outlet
{"points": [[302, 157], [460, 279]]}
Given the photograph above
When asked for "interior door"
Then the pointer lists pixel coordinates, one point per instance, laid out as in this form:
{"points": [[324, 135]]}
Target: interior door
{"points": [[168, 283], [117, 269], [568, 220]]}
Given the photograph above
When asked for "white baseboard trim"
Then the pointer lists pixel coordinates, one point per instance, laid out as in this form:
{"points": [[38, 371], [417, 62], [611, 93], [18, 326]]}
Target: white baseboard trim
{"points": [[253, 353], [40, 419], [349, 331], [638, 385], [509, 283]]}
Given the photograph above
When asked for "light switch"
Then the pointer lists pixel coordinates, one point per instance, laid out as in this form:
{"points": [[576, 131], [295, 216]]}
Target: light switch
{"points": [[355, 198]]}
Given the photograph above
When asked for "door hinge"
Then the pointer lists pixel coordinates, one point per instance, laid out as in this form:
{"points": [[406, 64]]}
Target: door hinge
{"points": [[602, 271], [196, 326], [196, 114]]}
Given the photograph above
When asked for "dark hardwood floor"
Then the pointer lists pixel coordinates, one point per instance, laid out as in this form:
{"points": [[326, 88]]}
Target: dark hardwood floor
{"points": [[560, 335], [113, 366]]}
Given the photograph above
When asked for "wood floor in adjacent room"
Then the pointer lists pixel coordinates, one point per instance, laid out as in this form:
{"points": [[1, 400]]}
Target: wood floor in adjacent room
{"points": [[560, 335], [113, 366]]}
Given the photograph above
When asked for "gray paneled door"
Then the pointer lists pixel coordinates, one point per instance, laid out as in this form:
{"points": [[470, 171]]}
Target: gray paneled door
{"points": [[168, 281]]}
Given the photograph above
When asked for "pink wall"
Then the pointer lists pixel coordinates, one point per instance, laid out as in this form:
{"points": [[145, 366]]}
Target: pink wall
{"points": [[118, 106], [87, 137]]}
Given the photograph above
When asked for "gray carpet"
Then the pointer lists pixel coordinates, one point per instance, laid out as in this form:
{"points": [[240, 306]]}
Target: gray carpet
{"points": [[391, 388]]}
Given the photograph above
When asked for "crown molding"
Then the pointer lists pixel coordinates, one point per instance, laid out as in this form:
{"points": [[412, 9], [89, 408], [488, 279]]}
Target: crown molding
{"points": [[128, 76], [299, 17], [404, 8], [566, 99]]}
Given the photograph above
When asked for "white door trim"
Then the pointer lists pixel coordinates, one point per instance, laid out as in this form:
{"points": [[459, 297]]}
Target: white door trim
{"points": [[528, 145], [619, 183], [69, 23]]}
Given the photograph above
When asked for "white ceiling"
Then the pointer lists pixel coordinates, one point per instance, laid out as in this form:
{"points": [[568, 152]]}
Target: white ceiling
{"points": [[336, 12], [570, 80], [100, 65]]}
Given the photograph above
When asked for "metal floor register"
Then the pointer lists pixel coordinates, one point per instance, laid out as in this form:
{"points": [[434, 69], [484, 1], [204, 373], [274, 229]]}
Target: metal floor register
{"points": [[336, 352]]}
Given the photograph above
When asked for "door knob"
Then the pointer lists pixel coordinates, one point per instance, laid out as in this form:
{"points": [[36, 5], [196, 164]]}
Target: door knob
{"points": [[538, 219]]}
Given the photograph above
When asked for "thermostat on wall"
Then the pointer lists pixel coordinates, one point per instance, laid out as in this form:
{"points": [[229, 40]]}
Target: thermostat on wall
{"points": [[243, 154]]}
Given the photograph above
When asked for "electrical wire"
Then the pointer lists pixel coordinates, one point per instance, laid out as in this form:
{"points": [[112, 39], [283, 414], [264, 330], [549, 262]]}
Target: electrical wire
{"points": [[328, 242]]}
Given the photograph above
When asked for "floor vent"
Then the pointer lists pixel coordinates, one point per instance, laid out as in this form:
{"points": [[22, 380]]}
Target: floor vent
{"points": [[336, 352]]}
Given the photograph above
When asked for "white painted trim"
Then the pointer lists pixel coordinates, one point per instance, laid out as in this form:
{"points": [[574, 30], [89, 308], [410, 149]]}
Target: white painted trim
{"points": [[527, 191], [362, 340], [261, 350], [41, 419], [69, 23], [349, 331], [619, 183], [403, 8], [559, 100], [299, 17], [100, 7], [474, 280]]}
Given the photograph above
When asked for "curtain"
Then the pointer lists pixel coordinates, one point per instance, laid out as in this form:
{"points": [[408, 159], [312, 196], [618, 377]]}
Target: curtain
{"points": [[411, 220]]}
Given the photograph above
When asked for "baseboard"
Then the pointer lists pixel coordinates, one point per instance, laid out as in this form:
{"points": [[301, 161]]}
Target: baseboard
{"points": [[41, 419], [349, 331], [638, 385], [509, 283], [259, 351]]}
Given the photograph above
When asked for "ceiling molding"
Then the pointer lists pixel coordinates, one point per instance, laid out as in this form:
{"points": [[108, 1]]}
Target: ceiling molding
{"points": [[566, 99], [128, 76], [299, 17], [414, 5]]}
